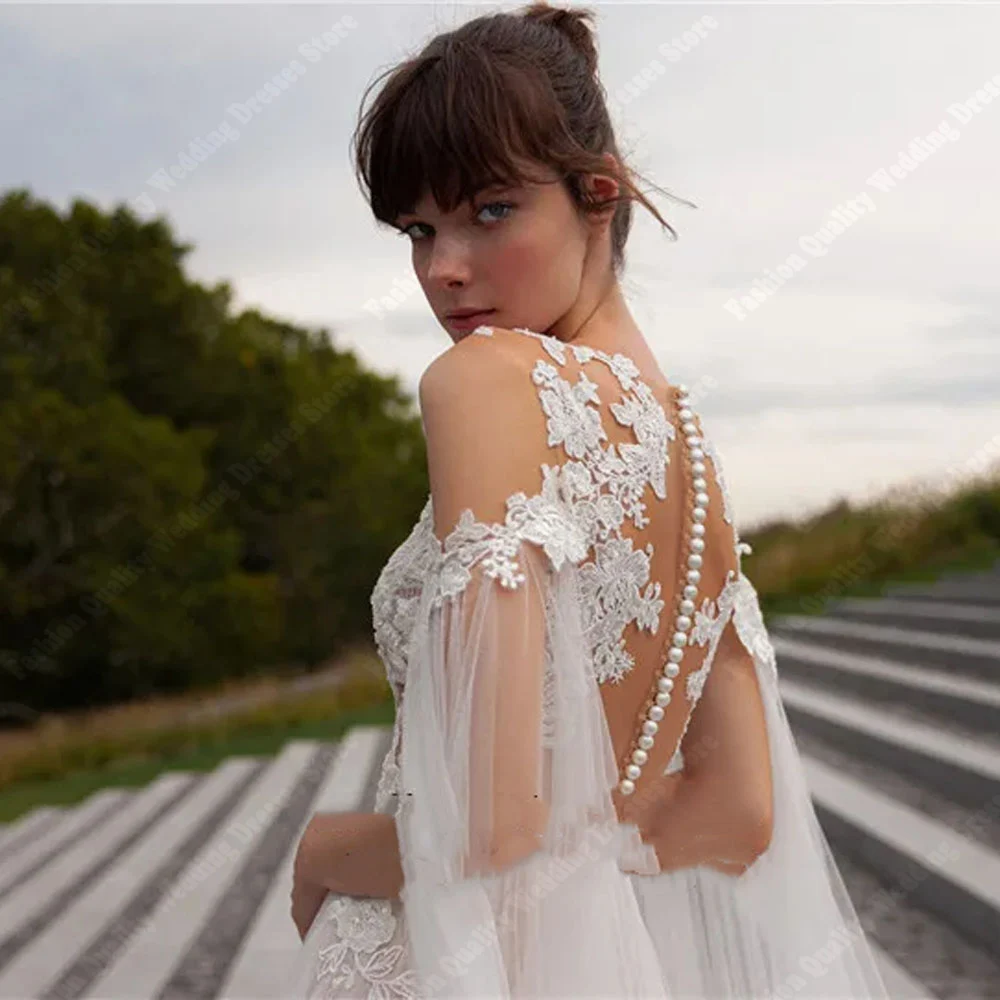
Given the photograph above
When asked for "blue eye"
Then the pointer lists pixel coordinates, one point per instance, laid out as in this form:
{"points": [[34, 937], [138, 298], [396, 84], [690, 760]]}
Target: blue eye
{"points": [[505, 206], [494, 204]]}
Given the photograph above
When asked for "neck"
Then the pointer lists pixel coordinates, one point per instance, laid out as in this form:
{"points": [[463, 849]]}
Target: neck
{"points": [[602, 320]]}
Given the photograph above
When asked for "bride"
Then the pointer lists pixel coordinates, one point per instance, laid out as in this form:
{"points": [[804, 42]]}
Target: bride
{"points": [[592, 789]]}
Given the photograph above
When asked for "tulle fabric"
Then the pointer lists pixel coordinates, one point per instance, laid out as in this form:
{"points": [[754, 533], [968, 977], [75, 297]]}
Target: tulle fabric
{"points": [[503, 899], [520, 880], [786, 927]]}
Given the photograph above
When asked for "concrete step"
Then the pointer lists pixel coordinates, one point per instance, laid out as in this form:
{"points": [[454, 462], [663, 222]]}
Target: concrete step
{"points": [[968, 704], [949, 873], [983, 589], [980, 621], [26, 828], [263, 966], [43, 889], [31, 854], [116, 902], [184, 942], [196, 903], [967, 773], [961, 655]]}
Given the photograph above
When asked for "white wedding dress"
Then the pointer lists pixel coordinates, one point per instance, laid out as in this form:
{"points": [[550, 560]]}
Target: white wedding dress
{"points": [[548, 643]]}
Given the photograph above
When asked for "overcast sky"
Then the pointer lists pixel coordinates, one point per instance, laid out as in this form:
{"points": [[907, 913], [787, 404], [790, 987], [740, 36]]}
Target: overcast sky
{"points": [[874, 363]]}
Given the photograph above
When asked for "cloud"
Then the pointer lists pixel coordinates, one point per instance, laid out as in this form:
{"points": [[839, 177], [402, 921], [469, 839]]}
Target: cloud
{"points": [[881, 348]]}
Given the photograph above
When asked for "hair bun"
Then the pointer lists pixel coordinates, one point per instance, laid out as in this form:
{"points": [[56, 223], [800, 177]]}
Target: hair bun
{"points": [[574, 23]]}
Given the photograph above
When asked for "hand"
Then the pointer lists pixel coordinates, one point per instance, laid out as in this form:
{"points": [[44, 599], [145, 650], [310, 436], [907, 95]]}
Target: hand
{"points": [[306, 902], [307, 893]]}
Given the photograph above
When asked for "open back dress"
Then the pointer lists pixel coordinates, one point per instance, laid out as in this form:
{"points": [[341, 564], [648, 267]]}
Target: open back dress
{"points": [[551, 629]]}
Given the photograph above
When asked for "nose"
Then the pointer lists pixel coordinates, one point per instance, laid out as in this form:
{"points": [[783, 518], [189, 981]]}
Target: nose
{"points": [[448, 262]]}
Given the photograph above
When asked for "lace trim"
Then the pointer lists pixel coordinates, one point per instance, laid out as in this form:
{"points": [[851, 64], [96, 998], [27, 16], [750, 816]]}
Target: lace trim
{"points": [[542, 519], [395, 598], [737, 601], [582, 504], [368, 953]]}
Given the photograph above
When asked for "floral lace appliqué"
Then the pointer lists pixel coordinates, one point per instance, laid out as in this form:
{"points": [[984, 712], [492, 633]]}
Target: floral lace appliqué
{"points": [[595, 490], [367, 953]]}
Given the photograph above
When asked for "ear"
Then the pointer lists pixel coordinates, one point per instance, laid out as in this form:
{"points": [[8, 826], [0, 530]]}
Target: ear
{"points": [[602, 187]]}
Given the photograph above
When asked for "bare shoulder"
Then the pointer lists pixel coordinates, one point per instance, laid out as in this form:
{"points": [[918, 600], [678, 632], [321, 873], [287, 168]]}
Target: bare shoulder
{"points": [[480, 368]]}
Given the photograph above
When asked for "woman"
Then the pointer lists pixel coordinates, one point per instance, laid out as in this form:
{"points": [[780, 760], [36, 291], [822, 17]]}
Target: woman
{"points": [[592, 789]]}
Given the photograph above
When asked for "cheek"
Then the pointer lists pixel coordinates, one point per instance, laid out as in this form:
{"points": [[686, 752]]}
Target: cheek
{"points": [[537, 259]]}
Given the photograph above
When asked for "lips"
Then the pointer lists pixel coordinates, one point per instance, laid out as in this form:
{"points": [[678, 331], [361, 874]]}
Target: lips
{"points": [[465, 313]]}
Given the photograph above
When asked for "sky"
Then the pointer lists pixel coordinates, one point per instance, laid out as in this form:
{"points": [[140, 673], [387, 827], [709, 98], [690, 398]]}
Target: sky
{"points": [[872, 359]]}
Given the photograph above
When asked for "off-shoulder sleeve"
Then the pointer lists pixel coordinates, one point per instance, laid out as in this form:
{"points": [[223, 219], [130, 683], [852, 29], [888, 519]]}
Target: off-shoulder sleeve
{"points": [[508, 833]]}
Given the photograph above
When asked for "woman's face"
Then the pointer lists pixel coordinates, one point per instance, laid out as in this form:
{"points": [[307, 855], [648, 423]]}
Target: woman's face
{"points": [[517, 251]]}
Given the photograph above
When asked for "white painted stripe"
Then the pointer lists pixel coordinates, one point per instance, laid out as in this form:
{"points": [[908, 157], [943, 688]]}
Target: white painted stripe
{"points": [[903, 732], [61, 942], [827, 625], [264, 966], [78, 818], [905, 674], [920, 609], [26, 823], [941, 849], [142, 968], [26, 900]]}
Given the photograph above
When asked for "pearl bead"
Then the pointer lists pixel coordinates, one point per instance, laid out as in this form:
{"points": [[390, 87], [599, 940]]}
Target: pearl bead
{"points": [[682, 388], [687, 606]]}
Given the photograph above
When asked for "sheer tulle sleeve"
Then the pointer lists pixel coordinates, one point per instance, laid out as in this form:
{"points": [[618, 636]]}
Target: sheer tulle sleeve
{"points": [[508, 834], [784, 925]]}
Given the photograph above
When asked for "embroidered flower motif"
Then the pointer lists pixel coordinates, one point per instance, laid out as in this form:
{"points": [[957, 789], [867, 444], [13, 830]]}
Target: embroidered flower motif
{"points": [[366, 944]]}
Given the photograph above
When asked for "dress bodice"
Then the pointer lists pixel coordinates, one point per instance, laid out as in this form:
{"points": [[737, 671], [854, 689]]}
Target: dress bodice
{"points": [[609, 478]]}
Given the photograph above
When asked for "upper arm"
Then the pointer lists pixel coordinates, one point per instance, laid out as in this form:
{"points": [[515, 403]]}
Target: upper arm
{"points": [[469, 400], [472, 398]]}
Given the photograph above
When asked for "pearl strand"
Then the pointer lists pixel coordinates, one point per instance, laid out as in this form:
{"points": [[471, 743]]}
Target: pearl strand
{"points": [[683, 621]]}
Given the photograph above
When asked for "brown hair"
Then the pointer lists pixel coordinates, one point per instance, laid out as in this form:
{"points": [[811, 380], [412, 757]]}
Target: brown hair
{"points": [[479, 101]]}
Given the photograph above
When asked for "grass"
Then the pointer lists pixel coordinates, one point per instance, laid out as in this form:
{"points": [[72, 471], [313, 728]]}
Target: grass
{"points": [[912, 534], [63, 760]]}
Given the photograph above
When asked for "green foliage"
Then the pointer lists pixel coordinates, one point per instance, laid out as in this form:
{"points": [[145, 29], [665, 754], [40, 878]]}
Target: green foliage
{"points": [[186, 493], [909, 534]]}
